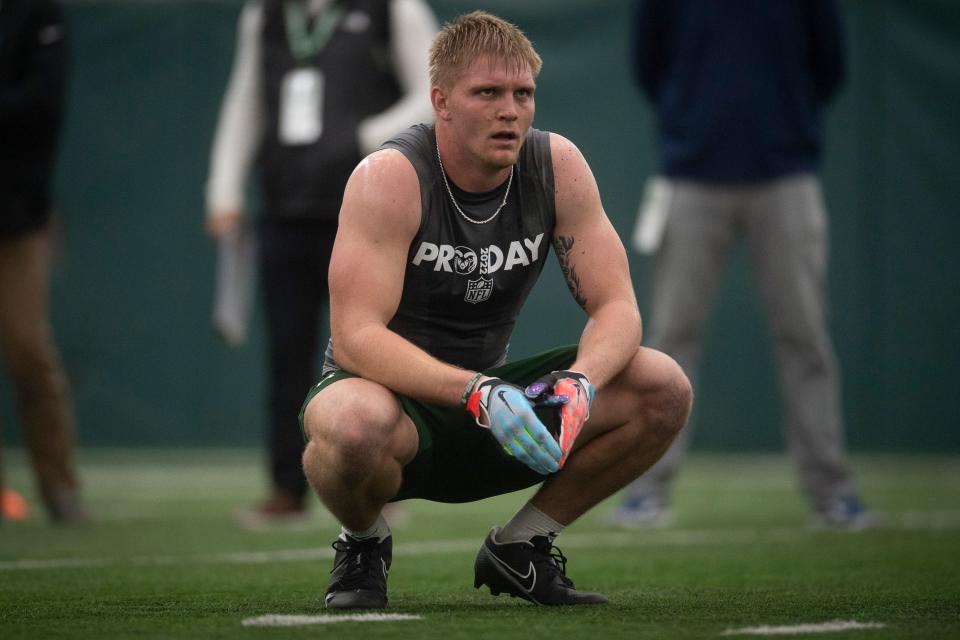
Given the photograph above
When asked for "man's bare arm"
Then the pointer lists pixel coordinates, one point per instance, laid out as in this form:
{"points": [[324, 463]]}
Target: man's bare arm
{"points": [[378, 220], [594, 264]]}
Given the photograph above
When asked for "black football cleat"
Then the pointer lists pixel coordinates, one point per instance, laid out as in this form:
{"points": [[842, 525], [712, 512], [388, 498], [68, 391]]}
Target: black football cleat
{"points": [[534, 571], [359, 576]]}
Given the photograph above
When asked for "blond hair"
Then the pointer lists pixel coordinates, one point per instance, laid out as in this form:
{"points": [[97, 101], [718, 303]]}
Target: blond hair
{"points": [[474, 35]]}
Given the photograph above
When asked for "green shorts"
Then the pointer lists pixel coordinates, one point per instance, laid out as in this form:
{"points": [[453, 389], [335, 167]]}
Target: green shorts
{"points": [[458, 461]]}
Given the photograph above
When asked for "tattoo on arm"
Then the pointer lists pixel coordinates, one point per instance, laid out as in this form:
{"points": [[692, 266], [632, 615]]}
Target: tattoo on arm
{"points": [[563, 245]]}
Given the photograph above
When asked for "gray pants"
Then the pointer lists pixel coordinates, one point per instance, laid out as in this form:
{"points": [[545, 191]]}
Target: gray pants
{"points": [[783, 224]]}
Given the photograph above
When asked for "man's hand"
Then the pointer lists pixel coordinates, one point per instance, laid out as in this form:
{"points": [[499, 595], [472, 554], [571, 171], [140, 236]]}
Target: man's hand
{"points": [[504, 409], [222, 223], [573, 393]]}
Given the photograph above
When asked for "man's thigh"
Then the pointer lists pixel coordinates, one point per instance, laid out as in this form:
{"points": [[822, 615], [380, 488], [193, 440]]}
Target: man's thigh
{"points": [[700, 232], [457, 460], [787, 238], [357, 408], [649, 378]]}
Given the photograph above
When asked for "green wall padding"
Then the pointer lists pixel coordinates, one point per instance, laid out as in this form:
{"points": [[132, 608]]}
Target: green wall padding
{"points": [[132, 289]]}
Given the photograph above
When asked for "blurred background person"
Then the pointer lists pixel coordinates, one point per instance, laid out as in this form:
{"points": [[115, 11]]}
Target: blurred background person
{"points": [[738, 89], [316, 85], [33, 74]]}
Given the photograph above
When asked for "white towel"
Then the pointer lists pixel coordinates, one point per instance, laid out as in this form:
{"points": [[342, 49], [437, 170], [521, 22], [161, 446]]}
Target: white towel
{"points": [[652, 215], [235, 285]]}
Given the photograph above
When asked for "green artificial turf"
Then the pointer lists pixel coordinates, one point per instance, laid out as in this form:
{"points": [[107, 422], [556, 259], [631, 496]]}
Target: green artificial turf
{"points": [[163, 558]]}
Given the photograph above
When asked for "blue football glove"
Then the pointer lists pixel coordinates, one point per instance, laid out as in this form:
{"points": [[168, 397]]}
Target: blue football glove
{"points": [[573, 393], [504, 409]]}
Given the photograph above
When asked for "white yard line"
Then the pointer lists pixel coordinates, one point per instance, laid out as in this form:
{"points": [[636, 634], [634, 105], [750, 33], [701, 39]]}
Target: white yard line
{"points": [[932, 521], [928, 520], [797, 629], [54, 563], [663, 538], [278, 620]]}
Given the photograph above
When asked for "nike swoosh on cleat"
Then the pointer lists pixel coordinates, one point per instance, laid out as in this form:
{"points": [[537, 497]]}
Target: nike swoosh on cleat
{"points": [[530, 575]]}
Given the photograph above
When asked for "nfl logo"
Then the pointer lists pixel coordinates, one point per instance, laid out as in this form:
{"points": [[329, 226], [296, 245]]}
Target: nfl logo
{"points": [[479, 290]]}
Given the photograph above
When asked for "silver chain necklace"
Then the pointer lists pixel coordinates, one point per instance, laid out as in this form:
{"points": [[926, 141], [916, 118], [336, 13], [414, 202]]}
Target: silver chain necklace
{"points": [[454, 200]]}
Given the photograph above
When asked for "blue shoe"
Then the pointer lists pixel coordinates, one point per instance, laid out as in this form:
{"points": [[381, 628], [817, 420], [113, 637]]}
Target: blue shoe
{"points": [[846, 513], [641, 512]]}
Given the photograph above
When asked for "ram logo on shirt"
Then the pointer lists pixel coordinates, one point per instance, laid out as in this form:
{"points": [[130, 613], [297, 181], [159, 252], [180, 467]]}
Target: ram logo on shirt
{"points": [[465, 261]]}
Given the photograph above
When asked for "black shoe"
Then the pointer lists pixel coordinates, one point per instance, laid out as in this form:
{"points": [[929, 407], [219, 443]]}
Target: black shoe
{"points": [[359, 576], [534, 571], [65, 508]]}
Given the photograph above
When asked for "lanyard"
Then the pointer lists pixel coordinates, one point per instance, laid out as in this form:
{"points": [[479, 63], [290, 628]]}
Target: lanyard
{"points": [[304, 42]]}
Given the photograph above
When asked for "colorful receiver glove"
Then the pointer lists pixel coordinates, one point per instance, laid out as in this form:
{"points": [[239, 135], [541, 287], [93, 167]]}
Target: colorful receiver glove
{"points": [[573, 393], [504, 409]]}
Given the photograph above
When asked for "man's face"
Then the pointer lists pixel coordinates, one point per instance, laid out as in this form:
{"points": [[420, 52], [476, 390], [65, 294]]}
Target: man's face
{"points": [[489, 110]]}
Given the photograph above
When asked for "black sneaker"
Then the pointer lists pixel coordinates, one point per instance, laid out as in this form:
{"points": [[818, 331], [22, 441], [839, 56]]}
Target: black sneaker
{"points": [[359, 576], [534, 571]]}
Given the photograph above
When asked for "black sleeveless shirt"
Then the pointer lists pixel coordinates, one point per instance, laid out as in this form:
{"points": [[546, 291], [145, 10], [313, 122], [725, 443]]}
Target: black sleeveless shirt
{"points": [[465, 282], [306, 181]]}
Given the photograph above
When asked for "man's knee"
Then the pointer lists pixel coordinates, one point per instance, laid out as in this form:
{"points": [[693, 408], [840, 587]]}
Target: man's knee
{"points": [[350, 430], [675, 401], [667, 395]]}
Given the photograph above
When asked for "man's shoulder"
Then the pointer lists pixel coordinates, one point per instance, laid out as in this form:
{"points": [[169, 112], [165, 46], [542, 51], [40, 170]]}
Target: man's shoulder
{"points": [[385, 166], [385, 181], [574, 184], [416, 140], [382, 199], [418, 144], [566, 157], [558, 141]]}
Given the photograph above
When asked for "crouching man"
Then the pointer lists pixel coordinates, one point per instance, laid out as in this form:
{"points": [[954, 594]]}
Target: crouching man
{"points": [[443, 233]]}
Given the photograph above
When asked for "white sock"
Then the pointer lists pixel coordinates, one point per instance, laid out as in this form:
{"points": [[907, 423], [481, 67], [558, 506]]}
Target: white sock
{"points": [[527, 523], [380, 530]]}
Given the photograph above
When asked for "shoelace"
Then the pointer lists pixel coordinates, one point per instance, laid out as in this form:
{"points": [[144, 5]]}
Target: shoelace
{"points": [[362, 561], [554, 558]]}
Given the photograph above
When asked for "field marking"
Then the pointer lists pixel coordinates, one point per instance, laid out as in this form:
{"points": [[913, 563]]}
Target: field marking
{"points": [[279, 620], [797, 629], [54, 563], [665, 538], [916, 520], [943, 520]]}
